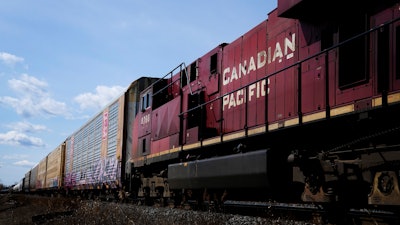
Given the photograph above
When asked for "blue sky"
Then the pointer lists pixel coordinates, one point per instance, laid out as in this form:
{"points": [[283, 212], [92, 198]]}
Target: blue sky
{"points": [[61, 62]]}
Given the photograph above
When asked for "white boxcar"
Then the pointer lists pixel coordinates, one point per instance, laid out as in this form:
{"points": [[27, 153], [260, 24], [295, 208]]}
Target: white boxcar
{"points": [[93, 154]]}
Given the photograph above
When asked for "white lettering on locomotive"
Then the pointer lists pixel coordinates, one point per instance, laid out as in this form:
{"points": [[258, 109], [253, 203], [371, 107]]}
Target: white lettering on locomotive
{"points": [[230, 74], [237, 98], [259, 89], [278, 54]]}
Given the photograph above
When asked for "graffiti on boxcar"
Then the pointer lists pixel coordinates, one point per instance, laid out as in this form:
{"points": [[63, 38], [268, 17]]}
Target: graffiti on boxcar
{"points": [[105, 125], [53, 182], [103, 171]]}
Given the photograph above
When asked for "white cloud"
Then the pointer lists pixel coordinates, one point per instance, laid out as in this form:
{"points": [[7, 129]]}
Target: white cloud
{"points": [[10, 59], [33, 98], [16, 138], [15, 156], [24, 163], [101, 98], [28, 85], [27, 127]]}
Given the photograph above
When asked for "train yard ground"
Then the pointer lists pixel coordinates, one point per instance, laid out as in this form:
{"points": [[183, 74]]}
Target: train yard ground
{"points": [[19, 209]]}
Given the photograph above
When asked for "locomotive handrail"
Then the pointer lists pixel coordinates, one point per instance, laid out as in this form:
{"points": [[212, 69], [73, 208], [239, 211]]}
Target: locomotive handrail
{"points": [[298, 63], [169, 73]]}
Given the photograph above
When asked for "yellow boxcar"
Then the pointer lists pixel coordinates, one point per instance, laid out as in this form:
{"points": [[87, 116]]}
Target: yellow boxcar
{"points": [[50, 170], [41, 174], [55, 168]]}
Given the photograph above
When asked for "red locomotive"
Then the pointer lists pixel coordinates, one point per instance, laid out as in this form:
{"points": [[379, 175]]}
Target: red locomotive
{"points": [[302, 107]]}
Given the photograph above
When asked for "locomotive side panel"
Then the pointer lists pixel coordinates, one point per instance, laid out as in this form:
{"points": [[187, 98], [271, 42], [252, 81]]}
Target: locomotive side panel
{"points": [[207, 119], [353, 79], [135, 154], [282, 52], [199, 85], [244, 61], [313, 78], [207, 68], [165, 123], [395, 46], [233, 106], [165, 120], [258, 91], [387, 71], [174, 89]]}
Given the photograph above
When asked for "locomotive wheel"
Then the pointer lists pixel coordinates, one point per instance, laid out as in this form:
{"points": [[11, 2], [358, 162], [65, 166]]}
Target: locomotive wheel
{"points": [[385, 189], [385, 183]]}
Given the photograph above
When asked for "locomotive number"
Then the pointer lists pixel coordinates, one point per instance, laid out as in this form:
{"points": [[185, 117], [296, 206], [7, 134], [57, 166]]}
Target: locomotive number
{"points": [[145, 119]]}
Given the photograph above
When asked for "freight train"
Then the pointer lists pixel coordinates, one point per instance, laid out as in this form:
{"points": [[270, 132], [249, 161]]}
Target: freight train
{"points": [[304, 107]]}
